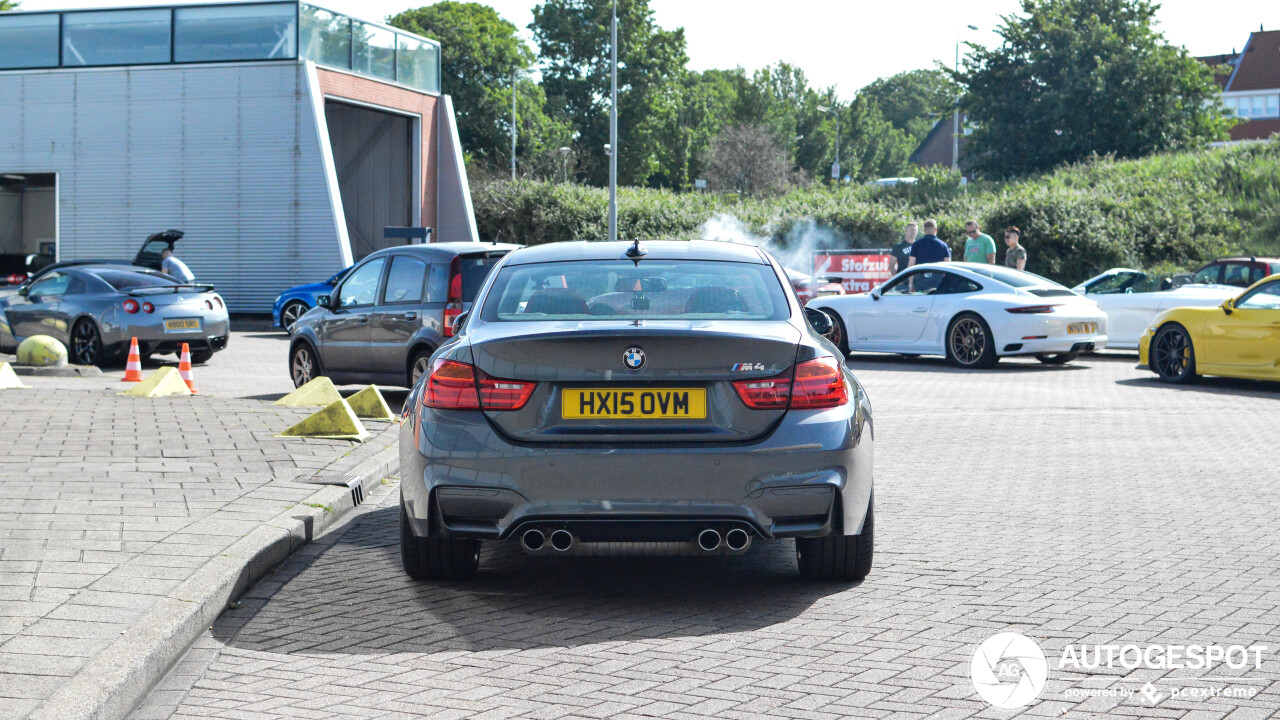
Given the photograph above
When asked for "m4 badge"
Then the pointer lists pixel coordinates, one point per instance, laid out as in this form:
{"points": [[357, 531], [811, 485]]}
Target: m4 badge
{"points": [[747, 367]]}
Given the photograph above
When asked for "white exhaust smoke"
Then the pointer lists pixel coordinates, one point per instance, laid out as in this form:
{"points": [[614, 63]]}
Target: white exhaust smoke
{"points": [[796, 252]]}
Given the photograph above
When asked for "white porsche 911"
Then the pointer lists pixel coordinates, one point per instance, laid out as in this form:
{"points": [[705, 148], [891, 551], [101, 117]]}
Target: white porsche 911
{"points": [[972, 313]]}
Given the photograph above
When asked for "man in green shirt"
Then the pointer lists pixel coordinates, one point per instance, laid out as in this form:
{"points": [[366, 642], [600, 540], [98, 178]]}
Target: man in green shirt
{"points": [[978, 247]]}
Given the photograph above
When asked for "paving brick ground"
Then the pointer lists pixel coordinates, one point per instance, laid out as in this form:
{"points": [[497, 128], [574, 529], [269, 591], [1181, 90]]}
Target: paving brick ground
{"points": [[1085, 504], [107, 502]]}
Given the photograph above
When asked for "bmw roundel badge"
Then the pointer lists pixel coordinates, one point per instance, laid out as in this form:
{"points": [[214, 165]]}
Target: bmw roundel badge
{"points": [[633, 358]]}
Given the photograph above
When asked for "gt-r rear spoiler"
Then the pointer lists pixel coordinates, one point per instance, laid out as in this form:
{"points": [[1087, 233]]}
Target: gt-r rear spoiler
{"points": [[159, 289]]}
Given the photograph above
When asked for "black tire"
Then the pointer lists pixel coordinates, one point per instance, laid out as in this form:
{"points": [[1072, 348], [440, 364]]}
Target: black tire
{"points": [[837, 557], [1057, 358], [86, 344], [970, 343], [839, 333], [200, 357], [419, 365], [292, 310], [436, 558], [304, 364], [1172, 355]]}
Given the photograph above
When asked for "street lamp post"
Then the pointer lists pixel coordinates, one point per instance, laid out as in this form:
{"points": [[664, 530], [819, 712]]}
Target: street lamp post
{"points": [[835, 169], [613, 127], [515, 74], [955, 127]]}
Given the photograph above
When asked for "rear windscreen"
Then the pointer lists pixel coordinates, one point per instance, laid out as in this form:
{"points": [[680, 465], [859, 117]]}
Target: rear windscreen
{"points": [[125, 280], [623, 290], [475, 268]]}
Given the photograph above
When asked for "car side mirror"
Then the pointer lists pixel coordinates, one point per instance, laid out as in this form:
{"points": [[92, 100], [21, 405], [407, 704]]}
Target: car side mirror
{"points": [[875, 294], [1228, 305], [24, 290], [819, 321], [459, 322], [324, 300]]}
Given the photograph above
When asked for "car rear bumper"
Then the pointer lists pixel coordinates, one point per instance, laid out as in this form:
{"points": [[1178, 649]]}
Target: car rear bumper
{"points": [[154, 340], [810, 477], [1070, 343]]}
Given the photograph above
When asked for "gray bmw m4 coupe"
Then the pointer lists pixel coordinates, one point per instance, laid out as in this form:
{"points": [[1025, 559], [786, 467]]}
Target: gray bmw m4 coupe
{"points": [[671, 392]]}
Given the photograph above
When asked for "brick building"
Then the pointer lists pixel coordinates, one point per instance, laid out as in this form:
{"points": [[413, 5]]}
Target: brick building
{"points": [[279, 136], [1250, 83]]}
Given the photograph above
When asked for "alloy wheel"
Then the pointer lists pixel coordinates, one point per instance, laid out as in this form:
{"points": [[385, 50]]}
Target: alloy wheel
{"points": [[967, 341], [291, 313], [420, 366], [86, 345], [304, 366], [1171, 354]]}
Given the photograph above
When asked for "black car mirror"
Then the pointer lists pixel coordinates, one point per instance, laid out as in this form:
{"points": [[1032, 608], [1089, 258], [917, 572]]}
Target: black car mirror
{"points": [[820, 321], [24, 290], [459, 321], [323, 301]]}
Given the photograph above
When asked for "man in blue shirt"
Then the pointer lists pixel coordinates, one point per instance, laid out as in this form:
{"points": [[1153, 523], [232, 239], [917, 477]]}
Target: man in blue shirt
{"points": [[929, 248]]}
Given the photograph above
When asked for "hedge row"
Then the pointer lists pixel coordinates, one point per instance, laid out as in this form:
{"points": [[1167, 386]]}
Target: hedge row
{"points": [[1168, 210]]}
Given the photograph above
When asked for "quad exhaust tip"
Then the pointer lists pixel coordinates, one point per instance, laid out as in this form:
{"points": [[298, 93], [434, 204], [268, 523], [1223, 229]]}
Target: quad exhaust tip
{"points": [[709, 540], [737, 539], [533, 540], [561, 540]]}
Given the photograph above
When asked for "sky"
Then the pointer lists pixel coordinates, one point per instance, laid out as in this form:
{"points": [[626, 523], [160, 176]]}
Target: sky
{"points": [[841, 43]]}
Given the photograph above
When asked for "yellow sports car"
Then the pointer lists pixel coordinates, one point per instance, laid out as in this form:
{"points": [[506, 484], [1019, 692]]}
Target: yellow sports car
{"points": [[1240, 338]]}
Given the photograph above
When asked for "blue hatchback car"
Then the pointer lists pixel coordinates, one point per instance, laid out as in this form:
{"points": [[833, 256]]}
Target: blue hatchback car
{"points": [[294, 302]]}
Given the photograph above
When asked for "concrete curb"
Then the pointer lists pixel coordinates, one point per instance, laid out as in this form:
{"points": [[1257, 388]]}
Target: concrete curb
{"points": [[115, 680], [65, 371]]}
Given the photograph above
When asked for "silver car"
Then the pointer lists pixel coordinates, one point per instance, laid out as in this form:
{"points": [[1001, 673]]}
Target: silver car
{"points": [[611, 392], [94, 310]]}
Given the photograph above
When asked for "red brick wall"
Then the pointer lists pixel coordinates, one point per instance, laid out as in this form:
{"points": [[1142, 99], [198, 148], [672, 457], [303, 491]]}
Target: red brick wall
{"points": [[341, 85], [1260, 129]]}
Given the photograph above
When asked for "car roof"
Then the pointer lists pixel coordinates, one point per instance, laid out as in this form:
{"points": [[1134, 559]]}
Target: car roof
{"points": [[1240, 260], [972, 271], [448, 249], [656, 250]]}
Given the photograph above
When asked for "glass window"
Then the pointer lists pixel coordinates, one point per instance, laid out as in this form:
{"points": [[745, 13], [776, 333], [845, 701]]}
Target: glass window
{"points": [[1208, 275], [924, 282], [50, 286], [234, 32], [1113, 284], [418, 64], [1266, 297], [375, 50], [438, 285], [1273, 105], [115, 37], [325, 37], [361, 286], [129, 279], [953, 284], [77, 287], [405, 280], [1236, 274], [1014, 278], [475, 268], [28, 40], [621, 290]]}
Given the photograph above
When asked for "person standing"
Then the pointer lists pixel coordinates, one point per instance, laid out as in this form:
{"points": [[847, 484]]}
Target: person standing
{"points": [[978, 246], [929, 248], [899, 253], [170, 265], [1016, 256]]}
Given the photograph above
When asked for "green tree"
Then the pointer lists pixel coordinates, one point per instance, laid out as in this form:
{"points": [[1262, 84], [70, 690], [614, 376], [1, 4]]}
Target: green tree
{"points": [[872, 147], [574, 41], [1075, 78], [705, 106], [8, 5], [913, 101], [481, 56]]}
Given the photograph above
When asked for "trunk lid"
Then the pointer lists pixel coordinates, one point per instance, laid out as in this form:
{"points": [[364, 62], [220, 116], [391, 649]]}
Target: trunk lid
{"points": [[587, 393]]}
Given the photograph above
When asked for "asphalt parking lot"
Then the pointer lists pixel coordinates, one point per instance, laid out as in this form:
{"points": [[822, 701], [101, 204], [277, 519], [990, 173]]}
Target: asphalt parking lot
{"points": [[1077, 504]]}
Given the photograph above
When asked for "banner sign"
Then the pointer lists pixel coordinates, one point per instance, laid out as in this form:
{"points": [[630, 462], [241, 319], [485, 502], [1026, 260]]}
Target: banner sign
{"points": [[859, 270]]}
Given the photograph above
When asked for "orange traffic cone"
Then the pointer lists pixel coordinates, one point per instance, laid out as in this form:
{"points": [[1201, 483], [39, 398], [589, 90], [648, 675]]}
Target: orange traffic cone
{"points": [[184, 369], [133, 370]]}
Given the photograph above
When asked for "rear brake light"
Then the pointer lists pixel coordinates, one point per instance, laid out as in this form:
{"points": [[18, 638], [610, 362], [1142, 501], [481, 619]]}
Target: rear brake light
{"points": [[453, 305], [1032, 309], [455, 386], [208, 304], [218, 299], [131, 306], [811, 385], [148, 308], [16, 279]]}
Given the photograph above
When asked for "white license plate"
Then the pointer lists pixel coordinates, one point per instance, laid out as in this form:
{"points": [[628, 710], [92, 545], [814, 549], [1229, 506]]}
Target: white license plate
{"points": [[182, 325], [1084, 328]]}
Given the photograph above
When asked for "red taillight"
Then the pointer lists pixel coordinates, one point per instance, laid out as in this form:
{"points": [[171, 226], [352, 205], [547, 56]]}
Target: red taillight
{"points": [[818, 384], [208, 304], [218, 299], [1031, 309], [16, 279], [453, 305], [811, 385], [131, 306], [148, 308], [455, 386]]}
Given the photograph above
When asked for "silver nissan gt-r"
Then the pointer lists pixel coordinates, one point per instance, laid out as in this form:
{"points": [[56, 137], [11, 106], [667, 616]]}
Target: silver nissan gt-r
{"points": [[614, 392], [94, 310]]}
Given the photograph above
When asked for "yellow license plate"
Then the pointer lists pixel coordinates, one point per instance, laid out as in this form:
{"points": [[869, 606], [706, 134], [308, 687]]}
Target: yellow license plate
{"points": [[633, 404], [1082, 328], [182, 324]]}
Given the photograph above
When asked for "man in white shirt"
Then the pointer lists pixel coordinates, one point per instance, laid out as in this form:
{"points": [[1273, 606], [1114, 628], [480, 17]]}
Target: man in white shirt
{"points": [[172, 266]]}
